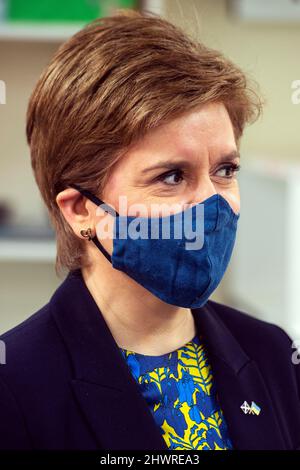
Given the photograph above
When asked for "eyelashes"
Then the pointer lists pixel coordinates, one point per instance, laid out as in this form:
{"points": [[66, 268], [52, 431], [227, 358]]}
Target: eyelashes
{"points": [[233, 167], [177, 172], [180, 174]]}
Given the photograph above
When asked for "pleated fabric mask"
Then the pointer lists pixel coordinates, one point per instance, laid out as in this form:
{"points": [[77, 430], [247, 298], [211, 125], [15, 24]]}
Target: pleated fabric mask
{"points": [[181, 258]]}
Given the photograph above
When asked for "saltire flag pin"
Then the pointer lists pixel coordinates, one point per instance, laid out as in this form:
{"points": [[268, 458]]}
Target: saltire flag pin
{"points": [[250, 409]]}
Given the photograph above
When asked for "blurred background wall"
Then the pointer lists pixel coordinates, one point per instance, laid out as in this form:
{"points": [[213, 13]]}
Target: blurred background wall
{"points": [[263, 275]]}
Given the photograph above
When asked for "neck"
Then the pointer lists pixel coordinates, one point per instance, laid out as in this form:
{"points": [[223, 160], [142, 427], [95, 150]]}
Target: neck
{"points": [[138, 320]]}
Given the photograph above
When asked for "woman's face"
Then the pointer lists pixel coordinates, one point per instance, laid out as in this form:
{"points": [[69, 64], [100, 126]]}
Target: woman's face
{"points": [[182, 162], [173, 167]]}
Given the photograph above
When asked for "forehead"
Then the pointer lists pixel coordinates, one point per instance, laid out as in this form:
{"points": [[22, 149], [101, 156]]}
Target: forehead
{"points": [[206, 130]]}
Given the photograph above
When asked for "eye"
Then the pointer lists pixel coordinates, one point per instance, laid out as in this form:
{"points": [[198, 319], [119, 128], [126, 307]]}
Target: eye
{"points": [[171, 178], [230, 170]]}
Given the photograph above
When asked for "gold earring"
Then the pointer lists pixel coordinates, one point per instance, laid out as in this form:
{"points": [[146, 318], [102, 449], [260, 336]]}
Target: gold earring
{"points": [[87, 233]]}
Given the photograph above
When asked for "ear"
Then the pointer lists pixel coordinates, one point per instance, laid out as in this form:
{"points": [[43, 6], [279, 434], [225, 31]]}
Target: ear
{"points": [[77, 210]]}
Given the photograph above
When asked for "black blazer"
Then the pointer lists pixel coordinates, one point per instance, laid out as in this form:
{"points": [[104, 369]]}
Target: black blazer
{"points": [[65, 384]]}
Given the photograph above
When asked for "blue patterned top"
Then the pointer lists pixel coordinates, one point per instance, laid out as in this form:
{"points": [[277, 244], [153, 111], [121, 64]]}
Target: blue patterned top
{"points": [[179, 390]]}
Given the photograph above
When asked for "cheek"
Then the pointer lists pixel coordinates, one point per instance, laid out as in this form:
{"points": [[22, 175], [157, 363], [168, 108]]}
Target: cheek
{"points": [[114, 188], [232, 195]]}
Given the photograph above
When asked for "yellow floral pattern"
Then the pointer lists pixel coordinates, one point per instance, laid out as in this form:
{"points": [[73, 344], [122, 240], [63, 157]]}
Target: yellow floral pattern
{"points": [[179, 389]]}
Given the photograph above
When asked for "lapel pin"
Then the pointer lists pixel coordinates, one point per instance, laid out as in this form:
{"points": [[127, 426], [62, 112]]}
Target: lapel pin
{"points": [[253, 409]]}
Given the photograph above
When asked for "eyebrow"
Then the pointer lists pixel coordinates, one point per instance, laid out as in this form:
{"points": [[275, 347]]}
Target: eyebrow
{"points": [[171, 164]]}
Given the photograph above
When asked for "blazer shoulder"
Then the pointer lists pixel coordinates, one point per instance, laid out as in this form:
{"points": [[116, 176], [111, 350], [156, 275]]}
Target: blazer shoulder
{"points": [[29, 344], [24, 348], [37, 318], [266, 343], [251, 330], [25, 332]]}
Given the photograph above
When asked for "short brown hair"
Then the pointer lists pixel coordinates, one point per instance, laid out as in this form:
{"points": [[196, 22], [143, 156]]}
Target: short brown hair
{"points": [[105, 87]]}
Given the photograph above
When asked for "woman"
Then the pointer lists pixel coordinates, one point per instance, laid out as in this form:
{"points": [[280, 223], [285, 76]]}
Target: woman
{"points": [[134, 116]]}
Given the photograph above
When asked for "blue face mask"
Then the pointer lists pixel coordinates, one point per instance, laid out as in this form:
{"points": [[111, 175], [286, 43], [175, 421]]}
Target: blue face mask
{"points": [[163, 265]]}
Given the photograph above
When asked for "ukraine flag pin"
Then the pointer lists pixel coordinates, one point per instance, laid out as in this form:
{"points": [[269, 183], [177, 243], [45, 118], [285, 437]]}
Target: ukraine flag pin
{"points": [[255, 409]]}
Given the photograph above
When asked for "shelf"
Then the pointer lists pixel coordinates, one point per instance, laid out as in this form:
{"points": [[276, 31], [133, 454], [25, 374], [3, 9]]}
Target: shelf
{"points": [[27, 250], [48, 32]]}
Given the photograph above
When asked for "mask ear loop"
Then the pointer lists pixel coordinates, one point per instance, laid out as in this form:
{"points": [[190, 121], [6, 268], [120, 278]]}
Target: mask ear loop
{"points": [[106, 207]]}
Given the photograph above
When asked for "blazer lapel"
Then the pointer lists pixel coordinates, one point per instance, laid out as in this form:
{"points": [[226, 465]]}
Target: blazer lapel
{"points": [[111, 400], [238, 379], [104, 387], [120, 419]]}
